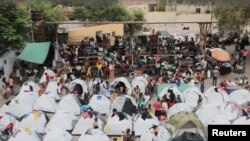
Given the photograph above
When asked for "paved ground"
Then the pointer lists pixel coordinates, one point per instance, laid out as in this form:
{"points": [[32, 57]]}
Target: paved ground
{"points": [[208, 82]]}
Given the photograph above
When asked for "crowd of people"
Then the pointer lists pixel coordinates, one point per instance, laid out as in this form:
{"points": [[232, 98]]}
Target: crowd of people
{"points": [[187, 65]]}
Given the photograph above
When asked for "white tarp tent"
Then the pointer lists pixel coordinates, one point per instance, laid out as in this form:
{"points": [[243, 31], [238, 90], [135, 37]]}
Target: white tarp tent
{"points": [[24, 134], [80, 82], [26, 89], [22, 104], [104, 92], [218, 120], [51, 90], [241, 97], [178, 107], [124, 81], [57, 134], [230, 110], [124, 103], [63, 120], [50, 73], [45, 103], [35, 121], [5, 120], [207, 112], [115, 126], [94, 135], [100, 104], [141, 125], [191, 96], [95, 81], [242, 121], [163, 134], [166, 90], [69, 103], [141, 82], [216, 96], [84, 124]]}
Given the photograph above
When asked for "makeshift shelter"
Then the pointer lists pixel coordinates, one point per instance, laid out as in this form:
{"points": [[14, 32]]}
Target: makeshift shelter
{"points": [[230, 110], [191, 97], [216, 96], [45, 103], [177, 108], [69, 103], [141, 82], [63, 120], [84, 124], [23, 103], [242, 121], [212, 114], [5, 120], [26, 89], [163, 134], [186, 122], [220, 55], [122, 82], [189, 136], [35, 52], [94, 135], [104, 92], [95, 81], [35, 121], [78, 85], [241, 97], [100, 104], [125, 104], [141, 125], [57, 134], [50, 73], [117, 126], [166, 91], [24, 134], [51, 90]]}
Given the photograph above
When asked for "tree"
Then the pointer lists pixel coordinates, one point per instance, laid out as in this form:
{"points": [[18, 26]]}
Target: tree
{"points": [[82, 13], [50, 11], [230, 17], [116, 13], [14, 24]]}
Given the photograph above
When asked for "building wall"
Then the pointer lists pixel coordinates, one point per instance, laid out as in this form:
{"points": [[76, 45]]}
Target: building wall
{"points": [[186, 8], [77, 35], [176, 17], [143, 5]]}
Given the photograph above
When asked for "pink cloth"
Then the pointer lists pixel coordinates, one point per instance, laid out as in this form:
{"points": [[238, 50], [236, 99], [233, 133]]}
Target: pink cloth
{"points": [[157, 105]]}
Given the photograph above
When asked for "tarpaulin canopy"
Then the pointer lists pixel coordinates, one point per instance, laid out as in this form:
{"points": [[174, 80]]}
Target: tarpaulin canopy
{"points": [[35, 52], [220, 55]]}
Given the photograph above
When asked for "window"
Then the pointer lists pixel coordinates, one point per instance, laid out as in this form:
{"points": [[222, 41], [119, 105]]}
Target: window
{"points": [[198, 10]]}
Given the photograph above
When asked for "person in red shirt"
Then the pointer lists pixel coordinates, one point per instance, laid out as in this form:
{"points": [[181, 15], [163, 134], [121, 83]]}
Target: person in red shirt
{"points": [[107, 71], [157, 106]]}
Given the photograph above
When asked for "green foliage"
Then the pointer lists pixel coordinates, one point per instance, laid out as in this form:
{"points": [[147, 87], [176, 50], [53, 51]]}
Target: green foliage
{"points": [[92, 3], [51, 12], [14, 24], [230, 17], [116, 13], [162, 5]]}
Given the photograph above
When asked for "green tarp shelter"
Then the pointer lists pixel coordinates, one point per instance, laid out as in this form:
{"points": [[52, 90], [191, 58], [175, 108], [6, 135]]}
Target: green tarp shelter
{"points": [[35, 52]]}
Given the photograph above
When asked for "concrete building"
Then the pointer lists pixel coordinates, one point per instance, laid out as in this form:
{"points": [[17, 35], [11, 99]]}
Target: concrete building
{"points": [[144, 5], [189, 8]]}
